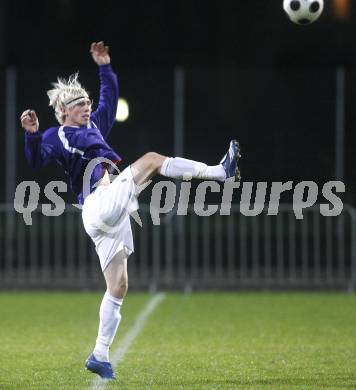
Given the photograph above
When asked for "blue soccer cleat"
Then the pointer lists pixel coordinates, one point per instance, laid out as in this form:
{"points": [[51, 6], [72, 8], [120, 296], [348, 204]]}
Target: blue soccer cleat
{"points": [[104, 369], [230, 160]]}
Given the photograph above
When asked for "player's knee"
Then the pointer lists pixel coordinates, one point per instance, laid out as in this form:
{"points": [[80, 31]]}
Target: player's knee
{"points": [[154, 160], [124, 286], [119, 287], [119, 291], [152, 155]]}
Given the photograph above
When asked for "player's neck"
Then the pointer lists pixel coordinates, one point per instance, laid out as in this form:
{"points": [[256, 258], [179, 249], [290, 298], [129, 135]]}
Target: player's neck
{"points": [[70, 123], [105, 180]]}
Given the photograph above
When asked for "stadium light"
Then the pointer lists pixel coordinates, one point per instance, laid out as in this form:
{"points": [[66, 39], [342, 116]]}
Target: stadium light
{"points": [[342, 9], [122, 112]]}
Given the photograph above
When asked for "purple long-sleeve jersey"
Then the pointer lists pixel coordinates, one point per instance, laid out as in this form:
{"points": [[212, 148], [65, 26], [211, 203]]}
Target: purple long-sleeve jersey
{"points": [[74, 147]]}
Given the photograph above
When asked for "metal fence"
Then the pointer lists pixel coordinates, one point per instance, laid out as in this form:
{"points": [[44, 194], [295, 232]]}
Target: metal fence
{"points": [[186, 252]]}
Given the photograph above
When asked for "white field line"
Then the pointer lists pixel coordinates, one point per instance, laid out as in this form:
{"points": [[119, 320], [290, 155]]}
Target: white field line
{"points": [[130, 336]]}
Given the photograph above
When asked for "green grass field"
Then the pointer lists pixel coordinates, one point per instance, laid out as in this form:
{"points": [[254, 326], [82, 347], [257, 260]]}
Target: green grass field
{"points": [[198, 341]]}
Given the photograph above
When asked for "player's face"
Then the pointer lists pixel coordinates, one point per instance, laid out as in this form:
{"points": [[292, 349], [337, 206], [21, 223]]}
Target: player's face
{"points": [[79, 114]]}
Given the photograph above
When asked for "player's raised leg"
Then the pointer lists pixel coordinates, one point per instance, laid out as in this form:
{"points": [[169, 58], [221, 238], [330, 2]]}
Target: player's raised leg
{"points": [[117, 284], [175, 167]]}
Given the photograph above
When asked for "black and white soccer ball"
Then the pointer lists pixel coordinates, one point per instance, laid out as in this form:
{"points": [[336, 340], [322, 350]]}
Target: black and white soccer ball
{"points": [[303, 11]]}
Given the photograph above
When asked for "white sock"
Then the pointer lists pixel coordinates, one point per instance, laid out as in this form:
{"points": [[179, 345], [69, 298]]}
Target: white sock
{"points": [[109, 321], [178, 167]]}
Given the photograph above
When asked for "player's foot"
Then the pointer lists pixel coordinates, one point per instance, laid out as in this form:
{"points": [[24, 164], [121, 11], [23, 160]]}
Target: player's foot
{"points": [[230, 160], [104, 369]]}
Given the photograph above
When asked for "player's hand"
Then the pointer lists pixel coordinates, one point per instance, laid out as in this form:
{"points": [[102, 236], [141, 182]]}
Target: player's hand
{"points": [[29, 121], [100, 53]]}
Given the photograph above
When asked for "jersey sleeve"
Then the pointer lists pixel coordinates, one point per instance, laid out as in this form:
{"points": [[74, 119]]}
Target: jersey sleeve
{"points": [[39, 149], [105, 114]]}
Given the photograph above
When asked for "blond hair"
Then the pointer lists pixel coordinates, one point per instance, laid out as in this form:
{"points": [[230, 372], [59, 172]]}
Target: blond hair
{"points": [[66, 93]]}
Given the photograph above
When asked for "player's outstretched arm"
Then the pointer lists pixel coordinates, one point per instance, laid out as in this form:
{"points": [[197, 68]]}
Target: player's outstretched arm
{"points": [[29, 121], [100, 53], [104, 116]]}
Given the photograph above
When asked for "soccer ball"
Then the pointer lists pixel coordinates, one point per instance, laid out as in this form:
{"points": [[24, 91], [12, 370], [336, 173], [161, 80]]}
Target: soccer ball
{"points": [[303, 11]]}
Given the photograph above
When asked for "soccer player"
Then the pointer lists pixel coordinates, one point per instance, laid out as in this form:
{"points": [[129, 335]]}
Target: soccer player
{"points": [[80, 139]]}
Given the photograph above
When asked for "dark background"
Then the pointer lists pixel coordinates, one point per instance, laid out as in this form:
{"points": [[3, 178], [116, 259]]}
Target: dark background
{"points": [[249, 73]]}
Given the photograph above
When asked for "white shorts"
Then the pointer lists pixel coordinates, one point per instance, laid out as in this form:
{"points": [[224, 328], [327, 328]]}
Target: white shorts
{"points": [[106, 217]]}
